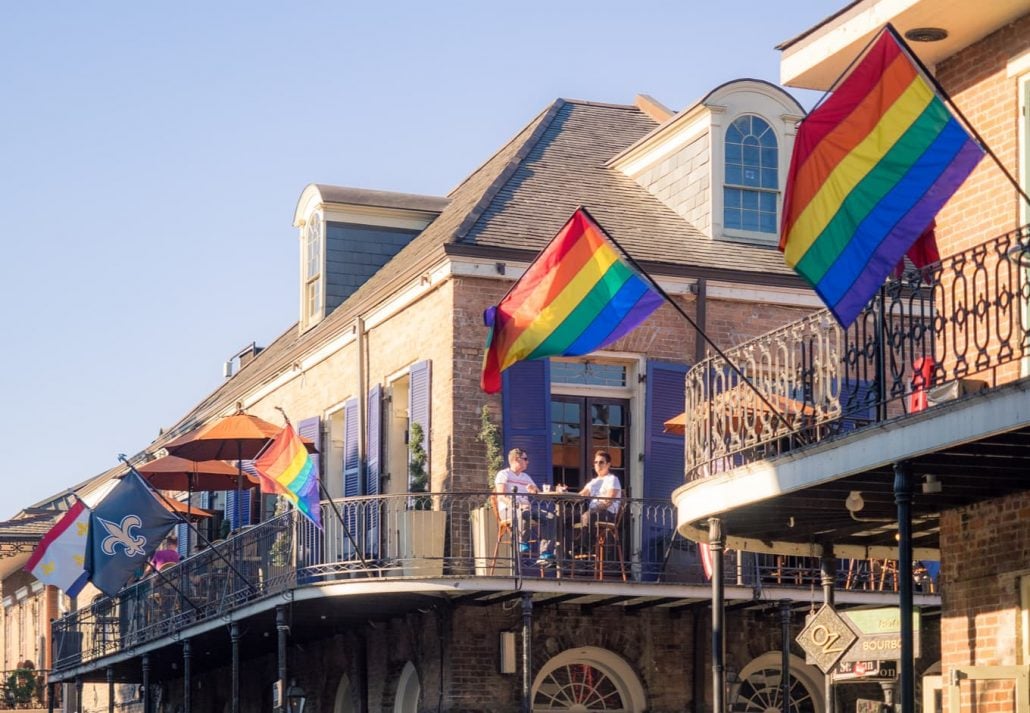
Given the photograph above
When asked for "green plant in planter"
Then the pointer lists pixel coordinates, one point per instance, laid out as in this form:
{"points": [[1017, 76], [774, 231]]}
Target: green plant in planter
{"points": [[490, 436], [418, 477], [279, 552]]}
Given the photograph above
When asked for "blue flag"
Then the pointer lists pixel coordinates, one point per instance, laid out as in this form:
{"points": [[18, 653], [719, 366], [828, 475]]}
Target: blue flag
{"points": [[124, 531]]}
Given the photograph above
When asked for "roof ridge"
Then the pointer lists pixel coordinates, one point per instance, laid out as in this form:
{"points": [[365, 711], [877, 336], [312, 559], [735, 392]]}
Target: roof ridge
{"points": [[543, 123], [605, 105]]}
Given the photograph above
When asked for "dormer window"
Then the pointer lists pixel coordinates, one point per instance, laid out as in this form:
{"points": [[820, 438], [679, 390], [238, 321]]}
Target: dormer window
{"points": [[751, 179], [311, 300]]}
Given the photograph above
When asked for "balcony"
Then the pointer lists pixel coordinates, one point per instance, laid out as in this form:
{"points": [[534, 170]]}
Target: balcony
{"points": [[413, 547], [931, 373]]}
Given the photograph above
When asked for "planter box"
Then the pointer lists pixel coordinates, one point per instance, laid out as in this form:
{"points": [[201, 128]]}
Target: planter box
{"points": [[484, 539], [419, 541]]}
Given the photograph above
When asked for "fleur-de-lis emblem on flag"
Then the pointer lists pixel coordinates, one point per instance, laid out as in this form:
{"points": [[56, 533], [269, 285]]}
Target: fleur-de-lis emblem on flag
{"points": [[121, 534]]}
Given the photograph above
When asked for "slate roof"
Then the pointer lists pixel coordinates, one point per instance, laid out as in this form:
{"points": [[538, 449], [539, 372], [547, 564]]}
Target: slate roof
{"points": [[381, 199]]}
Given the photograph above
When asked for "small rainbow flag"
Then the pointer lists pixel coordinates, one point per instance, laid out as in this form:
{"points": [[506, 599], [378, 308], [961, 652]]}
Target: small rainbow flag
{"points": [[577, 296], [286, 469], [871, 168]]}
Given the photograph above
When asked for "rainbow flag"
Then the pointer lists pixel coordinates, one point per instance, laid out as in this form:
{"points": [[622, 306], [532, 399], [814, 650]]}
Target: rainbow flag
{"points": [[286, 469], [577, 296], [871, 168]]}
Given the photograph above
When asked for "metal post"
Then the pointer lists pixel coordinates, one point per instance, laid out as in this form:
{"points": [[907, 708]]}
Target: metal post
{"points": [[785, 615], [187, 678], [716, 544], [527, 652], [78, 695], [234, 635], [281, 629], [50, 688], [903, 499], [110, 690], [828, 575], [146, 683]]}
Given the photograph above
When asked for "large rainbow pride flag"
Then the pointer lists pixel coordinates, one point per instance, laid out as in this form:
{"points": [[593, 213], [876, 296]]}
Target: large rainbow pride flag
{"points": [[576, 297], [286, 469], [871, 168]]}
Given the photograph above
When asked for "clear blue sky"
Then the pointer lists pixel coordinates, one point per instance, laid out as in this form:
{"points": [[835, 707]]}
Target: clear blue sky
{"points": [[151, 155]]}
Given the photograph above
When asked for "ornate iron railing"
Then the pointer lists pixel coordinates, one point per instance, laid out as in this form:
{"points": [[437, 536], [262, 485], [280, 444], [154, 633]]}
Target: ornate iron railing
{"points": [[930, 335], [429, 535]]}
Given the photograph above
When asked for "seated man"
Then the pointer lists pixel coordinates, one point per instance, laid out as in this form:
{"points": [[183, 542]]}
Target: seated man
{"points": [[605, 493], [515, 479]]}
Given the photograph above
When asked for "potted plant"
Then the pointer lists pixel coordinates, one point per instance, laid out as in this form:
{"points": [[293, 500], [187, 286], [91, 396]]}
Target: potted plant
{"points": [[484, 523], [420, 528]]}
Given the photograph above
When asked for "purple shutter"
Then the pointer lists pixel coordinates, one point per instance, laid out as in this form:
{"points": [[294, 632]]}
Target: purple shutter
{"points": [[351, 474], [419, 404], [526, 412], [374, 447], [310, 536], [663, 452], [182, 532]]}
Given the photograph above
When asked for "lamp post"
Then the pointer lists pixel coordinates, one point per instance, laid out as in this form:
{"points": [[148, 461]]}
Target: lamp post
{"points": [[295, 698]]}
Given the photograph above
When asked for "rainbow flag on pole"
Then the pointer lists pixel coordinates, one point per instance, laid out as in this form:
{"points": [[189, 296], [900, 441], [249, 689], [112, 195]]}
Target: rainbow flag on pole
{"points": [[871, 168], [577, 296], [286, 469]]}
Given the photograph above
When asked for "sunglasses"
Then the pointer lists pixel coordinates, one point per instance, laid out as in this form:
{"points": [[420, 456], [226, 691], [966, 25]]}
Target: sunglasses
{"points": [[600, 462]]}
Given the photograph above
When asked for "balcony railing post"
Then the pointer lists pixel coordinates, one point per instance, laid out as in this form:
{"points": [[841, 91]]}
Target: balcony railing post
{"points": [[146, 684], [78, 695], [785, 619], [716, 544], [234, 635], [903, 499], [110, 689], [828, 575], [187, 682]]}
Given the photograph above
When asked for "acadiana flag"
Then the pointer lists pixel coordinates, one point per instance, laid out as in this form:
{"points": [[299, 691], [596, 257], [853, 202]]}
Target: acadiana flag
{"points": [[60, 557], [871, 168], [286, 469], [577, 296]]}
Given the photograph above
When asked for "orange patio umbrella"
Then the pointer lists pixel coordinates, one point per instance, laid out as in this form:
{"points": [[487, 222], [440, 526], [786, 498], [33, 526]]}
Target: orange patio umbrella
{"points": [[175, 473]]}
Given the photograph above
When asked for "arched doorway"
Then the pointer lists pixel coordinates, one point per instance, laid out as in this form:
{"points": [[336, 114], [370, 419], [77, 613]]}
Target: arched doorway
{"points": [[409, 689], [344, 702], [758, 688], [588, 679]]}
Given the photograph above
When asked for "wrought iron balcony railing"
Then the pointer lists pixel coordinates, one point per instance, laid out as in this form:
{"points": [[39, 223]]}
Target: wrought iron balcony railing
{"points": [[931, 334], [427, 535]]}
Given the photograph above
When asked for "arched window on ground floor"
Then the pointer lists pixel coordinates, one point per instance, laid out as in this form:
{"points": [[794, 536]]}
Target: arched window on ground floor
{"points": [[588, 679]]}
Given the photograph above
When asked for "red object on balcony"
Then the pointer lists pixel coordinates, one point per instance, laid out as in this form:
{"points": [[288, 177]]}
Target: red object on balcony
{"points": [[921, 381]]}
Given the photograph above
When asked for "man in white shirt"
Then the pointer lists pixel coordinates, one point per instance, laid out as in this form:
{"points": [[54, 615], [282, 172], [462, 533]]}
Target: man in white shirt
{"points": [[605, 493], [515, 479]]}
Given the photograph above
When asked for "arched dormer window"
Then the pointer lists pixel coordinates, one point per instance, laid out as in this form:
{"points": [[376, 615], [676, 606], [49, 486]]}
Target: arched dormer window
{"points": [[312, 261], [751, 177]]}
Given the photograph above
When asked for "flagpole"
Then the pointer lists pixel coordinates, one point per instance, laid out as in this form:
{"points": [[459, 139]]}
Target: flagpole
{"points": [[196, 531], [325, 494], [951, 102], [682, 312]]}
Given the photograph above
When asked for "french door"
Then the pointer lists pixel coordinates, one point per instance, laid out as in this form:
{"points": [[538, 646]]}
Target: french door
{"points": [[581, 425]]}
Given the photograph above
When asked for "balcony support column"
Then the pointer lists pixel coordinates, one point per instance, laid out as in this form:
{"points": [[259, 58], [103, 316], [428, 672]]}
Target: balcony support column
{"points": [[110, 690], [78, 695], [50, 688], [716, 544], [527, 652], [234, 635], [903, 499], [145, 664], [187, 679], [828, 575], [786, 611], [281, 630]]}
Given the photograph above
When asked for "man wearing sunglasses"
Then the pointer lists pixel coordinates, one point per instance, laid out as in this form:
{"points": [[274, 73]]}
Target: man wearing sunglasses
{"points": [[515, 479], [604, 491]]}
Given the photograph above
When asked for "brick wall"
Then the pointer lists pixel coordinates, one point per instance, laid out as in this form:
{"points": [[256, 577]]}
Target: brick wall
{"points": [[976, 78], [986, 550]]}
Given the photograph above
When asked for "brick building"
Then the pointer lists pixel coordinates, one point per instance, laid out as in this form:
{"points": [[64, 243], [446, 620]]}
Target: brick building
{"points": [[942, 423], [410, 602]]}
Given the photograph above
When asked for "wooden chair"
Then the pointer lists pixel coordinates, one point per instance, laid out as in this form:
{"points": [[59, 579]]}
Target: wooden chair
{"points": [[504, 534], [609, 533]]}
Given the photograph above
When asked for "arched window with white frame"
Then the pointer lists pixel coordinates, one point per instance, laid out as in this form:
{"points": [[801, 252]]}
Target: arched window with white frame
{"points": [[751, 177]]}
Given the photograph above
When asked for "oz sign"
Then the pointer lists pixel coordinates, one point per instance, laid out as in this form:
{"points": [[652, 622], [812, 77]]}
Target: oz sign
{"points": [[825, 638]]}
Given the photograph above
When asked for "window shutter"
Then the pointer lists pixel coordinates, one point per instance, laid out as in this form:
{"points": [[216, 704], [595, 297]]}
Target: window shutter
{"points": [[182, 533], [244, 502], [419, 404], [526, 412], [310, 537], [374, 446], [351, 465], [663, 452]]}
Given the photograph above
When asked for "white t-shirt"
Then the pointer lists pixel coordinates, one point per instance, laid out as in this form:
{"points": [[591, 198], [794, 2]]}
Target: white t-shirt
{"points": [[512, 480], [601, 483]]}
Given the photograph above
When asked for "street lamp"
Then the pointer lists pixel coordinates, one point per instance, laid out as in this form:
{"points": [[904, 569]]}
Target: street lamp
{"points": [[295, 698]]}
